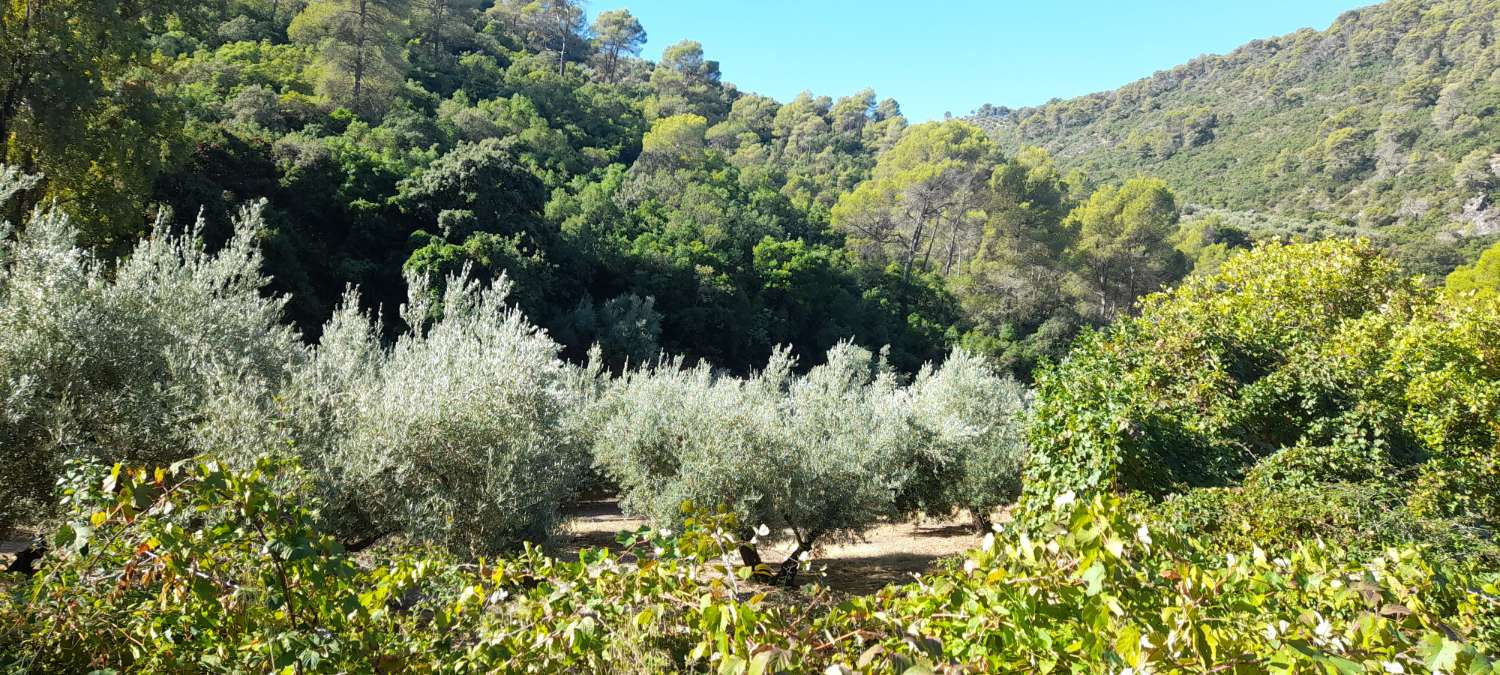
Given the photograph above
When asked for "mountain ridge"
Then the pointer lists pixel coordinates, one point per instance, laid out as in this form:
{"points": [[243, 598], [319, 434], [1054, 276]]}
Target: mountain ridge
{"points": [[1389, 120]]}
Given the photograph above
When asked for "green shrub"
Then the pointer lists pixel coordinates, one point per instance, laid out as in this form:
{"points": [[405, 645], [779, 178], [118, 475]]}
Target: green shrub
{"points": [[1442, 367], [1482, 277], [1211, 377], [1307, 466], [1364, 518], [196, 568], [1294, 366], [204, 570]]}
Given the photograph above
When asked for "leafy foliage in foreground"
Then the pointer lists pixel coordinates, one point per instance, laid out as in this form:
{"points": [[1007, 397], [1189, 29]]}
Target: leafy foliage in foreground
{"points": [[200, 569]]}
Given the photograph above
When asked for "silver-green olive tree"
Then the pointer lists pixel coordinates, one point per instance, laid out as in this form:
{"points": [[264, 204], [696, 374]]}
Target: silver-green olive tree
{"points": [[456, 434], [815, 456], [973, 422], [124, 362]]}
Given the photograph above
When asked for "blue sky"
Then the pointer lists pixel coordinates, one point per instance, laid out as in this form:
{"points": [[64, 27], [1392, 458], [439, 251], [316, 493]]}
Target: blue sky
{"points": [[954, 55]]}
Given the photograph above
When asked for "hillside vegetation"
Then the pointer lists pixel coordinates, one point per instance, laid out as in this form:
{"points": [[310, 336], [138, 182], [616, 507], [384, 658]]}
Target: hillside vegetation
{"points": [[1388, 121], [1288, 465]]}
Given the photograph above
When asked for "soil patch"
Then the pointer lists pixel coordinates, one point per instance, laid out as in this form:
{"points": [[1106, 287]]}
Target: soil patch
{"points": [[888, 554]]}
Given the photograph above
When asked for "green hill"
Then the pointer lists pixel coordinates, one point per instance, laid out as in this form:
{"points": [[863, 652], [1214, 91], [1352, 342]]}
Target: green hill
{"points": [[1388, 121]]}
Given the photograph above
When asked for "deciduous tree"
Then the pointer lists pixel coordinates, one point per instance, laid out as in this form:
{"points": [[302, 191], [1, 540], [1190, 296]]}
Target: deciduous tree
{"points": [[1482, 277]]}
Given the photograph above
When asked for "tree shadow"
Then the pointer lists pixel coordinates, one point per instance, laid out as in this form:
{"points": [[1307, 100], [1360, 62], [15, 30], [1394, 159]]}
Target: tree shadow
{"points": [[868, 574], [944, 531], [594, 524], [595, 510]]}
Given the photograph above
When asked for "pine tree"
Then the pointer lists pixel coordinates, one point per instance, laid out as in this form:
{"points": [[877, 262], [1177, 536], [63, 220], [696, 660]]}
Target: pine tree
{"points": [[616, 33], [359, 46]]}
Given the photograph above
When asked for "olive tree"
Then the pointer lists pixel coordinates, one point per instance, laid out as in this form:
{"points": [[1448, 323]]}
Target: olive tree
{"points": [[973, 422], [456, 434], [126, 362], [816, 456]]}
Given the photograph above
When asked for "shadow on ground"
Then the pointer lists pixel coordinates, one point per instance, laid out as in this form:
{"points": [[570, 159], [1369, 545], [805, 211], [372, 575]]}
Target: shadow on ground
{"points": [[887, 554]]}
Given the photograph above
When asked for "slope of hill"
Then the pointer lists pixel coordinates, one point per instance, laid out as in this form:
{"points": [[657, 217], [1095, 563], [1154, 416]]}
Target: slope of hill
{"points": [[1388, 120]]}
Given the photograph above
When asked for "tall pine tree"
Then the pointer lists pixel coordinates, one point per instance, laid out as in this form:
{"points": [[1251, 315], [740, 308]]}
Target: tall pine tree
{"points": [[360, 49]]}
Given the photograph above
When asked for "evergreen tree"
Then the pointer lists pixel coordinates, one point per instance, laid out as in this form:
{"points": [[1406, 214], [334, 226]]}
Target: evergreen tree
{"points": [[1124, 248], [360, 49], [617, 33], [442, 24], [686, 83], [917, 211]]}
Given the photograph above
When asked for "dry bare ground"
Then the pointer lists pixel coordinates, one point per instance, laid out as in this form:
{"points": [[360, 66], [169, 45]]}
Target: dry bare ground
{"points": [[887, 554], [9, 548]]}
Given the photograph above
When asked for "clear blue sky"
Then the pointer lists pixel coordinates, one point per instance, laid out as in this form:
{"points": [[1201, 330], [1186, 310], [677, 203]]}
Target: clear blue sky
{"points": [[937, 56]]}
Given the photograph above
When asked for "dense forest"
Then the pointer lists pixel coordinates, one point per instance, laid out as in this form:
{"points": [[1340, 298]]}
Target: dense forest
{"points": [[644, 207], [1384, 124], [320, 318]]}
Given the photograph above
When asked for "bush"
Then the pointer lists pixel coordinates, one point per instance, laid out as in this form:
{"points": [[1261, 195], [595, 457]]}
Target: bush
{"points": [[1211, 377], [1314, 394], [1350, 461], [1363, 518], [1440, 372], [124, 363], [196, 568], [1311, 345], [822, 455], [1481, 277]]}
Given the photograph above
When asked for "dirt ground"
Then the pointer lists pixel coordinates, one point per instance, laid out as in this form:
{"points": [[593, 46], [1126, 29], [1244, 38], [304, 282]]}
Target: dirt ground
{"points": [[9, 548], [887, 554]]}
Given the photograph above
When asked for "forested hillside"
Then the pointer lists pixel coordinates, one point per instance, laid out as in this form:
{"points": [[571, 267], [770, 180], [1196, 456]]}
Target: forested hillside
{"points": [[645, 207], [1387, 122], [426, 135]]}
